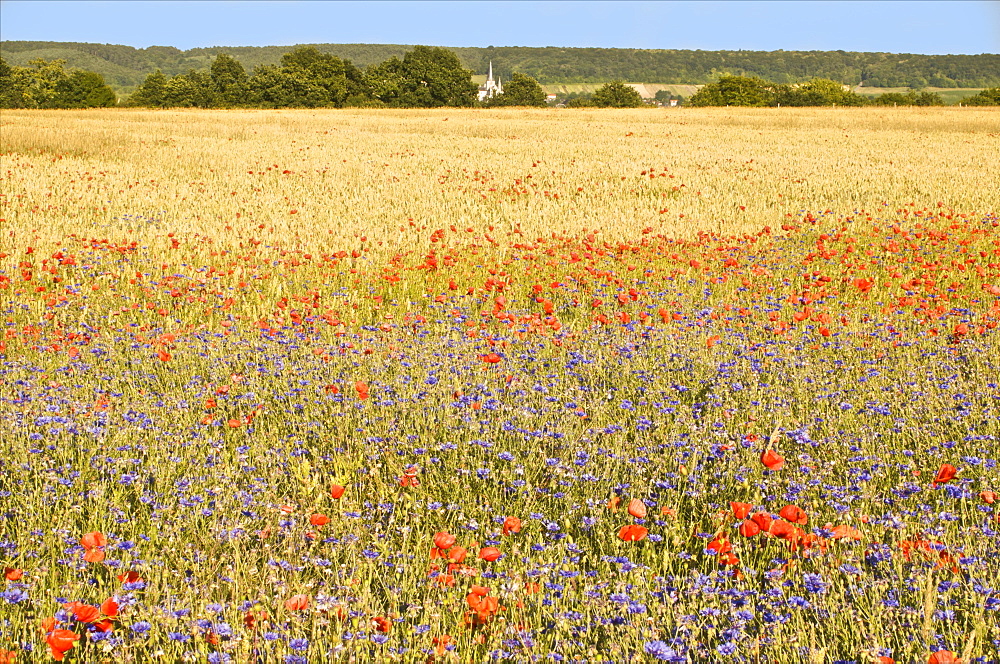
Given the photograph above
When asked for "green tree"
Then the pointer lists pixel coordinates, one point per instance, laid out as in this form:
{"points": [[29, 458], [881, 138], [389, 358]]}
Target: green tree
{"points": [[276, 87], [435, 77], [988, 97], [617, 95], [232, 85], [192, 89], [83, 89], [386, 81], [520, 90], [734, 91], [816, 92], [321, 71], [45, 77], [15, 84], [152, 92]]}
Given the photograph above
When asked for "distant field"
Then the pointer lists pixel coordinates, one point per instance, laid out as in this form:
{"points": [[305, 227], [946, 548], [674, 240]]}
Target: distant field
{"points": [[950, 95], [647, 90]]}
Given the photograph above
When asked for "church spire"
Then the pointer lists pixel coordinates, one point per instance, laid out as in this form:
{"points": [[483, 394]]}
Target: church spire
{"points": [[490, 77]]}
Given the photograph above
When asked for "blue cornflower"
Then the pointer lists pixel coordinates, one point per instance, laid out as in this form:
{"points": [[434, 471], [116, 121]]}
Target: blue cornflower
{"points": [[141, 627], [661, 651], [727, 648], [299, 644]]}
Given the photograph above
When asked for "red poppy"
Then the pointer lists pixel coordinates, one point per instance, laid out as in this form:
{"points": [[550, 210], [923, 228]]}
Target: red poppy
{"points": [[60, 642], [109, 607], [409, 478], [319, 519], [12, 573], [7, 656], [511, 525], [381, 624], [93, 540], [632, 533], [444, 540], [362, 389], [943, 657], [490, 554], [794, 514], [129, 577], [772, 460], [86, 613], [720, 544], [749, 528], [782, 529], [490, 358], [253, 617], [637, 508], [988, 497], [458, 554], [883, 659], [740, 510], [845, 532], [945, 473], [336, 491], [763, 520], [297, 603]]}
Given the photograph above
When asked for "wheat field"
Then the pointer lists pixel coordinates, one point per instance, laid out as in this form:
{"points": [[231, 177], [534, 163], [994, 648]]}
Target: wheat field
{"points": [[457, 386], [325, 176]]}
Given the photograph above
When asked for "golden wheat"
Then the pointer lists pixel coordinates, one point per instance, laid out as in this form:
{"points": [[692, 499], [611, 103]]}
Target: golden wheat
{"points": [[322, 176]]}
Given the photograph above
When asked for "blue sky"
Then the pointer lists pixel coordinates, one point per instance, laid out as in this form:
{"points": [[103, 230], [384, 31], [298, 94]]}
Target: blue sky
{"points": [[901, 26]]}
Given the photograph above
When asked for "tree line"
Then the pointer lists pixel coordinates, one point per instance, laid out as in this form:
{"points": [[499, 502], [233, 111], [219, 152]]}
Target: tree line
{"points": [[126, 67], [754, 91], [425, 77]]}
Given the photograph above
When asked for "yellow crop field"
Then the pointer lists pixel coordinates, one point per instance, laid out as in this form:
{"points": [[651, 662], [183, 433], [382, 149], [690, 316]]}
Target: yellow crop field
{"points": [[327, 175], [459, 386]]}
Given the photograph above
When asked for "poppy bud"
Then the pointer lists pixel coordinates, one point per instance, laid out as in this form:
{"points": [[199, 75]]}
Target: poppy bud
{"points": [[637, 508], [489, 554], [444, 540], [336, 491]]}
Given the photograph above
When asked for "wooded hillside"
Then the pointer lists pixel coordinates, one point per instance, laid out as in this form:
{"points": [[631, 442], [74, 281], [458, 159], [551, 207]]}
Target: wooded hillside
{"points": [[125, 67]]}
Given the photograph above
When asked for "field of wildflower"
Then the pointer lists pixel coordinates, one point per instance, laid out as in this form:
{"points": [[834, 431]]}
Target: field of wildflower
{"points": [[465, 386]]}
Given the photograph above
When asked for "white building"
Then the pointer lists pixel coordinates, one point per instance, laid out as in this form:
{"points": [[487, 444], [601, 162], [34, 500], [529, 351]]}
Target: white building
{"points": [[490, 88]]}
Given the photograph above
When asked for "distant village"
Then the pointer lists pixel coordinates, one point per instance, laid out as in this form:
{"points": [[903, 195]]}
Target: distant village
{"points": [[655, 95]]}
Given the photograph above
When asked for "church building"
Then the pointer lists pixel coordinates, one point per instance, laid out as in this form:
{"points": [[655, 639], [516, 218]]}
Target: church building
{"points": [[490, 88]]}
